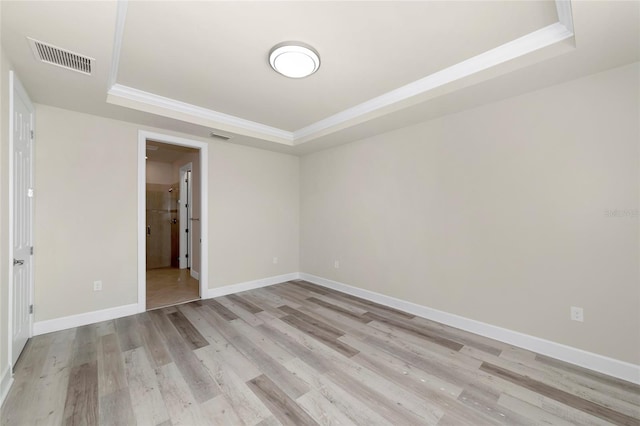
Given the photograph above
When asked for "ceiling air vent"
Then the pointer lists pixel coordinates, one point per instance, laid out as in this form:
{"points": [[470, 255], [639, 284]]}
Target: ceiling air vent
{"points": [[219, 136], [61, 57]]}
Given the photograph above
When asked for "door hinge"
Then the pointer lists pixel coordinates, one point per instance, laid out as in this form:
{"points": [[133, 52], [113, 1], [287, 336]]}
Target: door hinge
{"points": [[32, 134], [31, 250], [186, 230], [30, 309]]}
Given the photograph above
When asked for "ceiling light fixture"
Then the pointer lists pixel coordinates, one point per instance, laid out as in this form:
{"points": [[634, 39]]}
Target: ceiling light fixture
{"points": [[294, 59]]}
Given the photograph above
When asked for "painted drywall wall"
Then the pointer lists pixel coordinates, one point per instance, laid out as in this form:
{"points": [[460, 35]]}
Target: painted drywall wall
{"points": [[86, 216], [160, 173], [253, 214], [508, 214]]}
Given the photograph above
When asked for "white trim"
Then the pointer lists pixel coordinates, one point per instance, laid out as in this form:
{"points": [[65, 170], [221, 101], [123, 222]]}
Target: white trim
{"points": [[5, 383], [220, 119], [250, 285], [57, 324], [78, 320], [613, 367], [184, 249], [521, 46], [195, 274], [563, 7], [142, 223], [121, 18], [143, 135]]}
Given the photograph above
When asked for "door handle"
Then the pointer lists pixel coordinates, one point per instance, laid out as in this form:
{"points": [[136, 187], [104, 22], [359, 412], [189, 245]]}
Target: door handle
{"points": [[148, 230], [18, 262]]}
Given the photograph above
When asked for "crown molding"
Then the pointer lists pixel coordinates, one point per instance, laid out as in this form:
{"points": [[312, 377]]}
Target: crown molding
{"points": [[519, 47], [121, 18], [125, 96], [563, 7], [396, 99]]}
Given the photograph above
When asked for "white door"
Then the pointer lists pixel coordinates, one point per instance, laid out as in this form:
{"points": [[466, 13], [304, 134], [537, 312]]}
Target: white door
{"points": [[22, 113]]}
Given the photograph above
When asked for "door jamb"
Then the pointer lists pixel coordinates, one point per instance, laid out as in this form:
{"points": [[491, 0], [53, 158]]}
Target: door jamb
{"points": [[16, 86], [185, 218], [143, 135]]}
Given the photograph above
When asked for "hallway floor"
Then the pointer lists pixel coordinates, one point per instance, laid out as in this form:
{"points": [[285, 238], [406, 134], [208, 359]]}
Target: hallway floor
{"points": [[168, 286]]}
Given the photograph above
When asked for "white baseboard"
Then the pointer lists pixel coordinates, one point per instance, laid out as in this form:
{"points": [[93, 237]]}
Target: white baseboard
{"points": [[610, 366], [57, 324], [195, 274], [5, 383], [250, 285]]}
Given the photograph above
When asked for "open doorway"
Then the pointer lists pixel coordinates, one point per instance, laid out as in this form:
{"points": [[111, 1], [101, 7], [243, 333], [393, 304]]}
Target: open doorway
{"points": [[171, 191]]}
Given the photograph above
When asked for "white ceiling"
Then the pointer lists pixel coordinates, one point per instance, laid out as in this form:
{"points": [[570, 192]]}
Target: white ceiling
{"points": [[200, 66]]}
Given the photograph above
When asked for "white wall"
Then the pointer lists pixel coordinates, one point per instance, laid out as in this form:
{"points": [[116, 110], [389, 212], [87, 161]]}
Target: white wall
{"points": [[497, 214], [86, 215]]}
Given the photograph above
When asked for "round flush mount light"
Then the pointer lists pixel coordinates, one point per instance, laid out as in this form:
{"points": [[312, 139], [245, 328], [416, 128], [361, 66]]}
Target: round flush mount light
{"points": [[294, 59]]}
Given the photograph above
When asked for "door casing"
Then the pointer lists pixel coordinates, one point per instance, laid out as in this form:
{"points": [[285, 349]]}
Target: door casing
{"points": [[143, 135], [186, 213]]}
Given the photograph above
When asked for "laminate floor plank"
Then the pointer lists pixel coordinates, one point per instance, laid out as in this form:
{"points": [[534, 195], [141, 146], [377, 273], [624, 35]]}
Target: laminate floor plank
{"points": [[219, 411], [326, 328], [144, 389], [190, 334], [409, 328], [50, 393], [81, 405], [240, 311], [566, 398], [341, 398], [265, 363], [16, 408], [116, 409], [111, 373], [246, 404], [559, 382], [321, 410], [221, 310], [279, 403], [180, 403], [339, 309], [298, 353], [247, 305], [309, 286], [202, 386], [153, 342], [319, 334], [128, 332]]}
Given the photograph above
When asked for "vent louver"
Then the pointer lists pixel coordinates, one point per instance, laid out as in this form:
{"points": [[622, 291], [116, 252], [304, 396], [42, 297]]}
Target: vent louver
{"points": [[61, 57], [219, 136]]}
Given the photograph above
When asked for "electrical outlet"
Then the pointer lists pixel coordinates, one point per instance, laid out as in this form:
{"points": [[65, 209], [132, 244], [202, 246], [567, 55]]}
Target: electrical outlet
{"points": [[275, 260], [336, 264], [577, 314], [97, 286]]}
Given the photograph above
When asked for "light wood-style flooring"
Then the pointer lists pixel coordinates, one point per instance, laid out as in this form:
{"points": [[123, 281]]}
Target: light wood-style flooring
{"points": [[169, 286], [298, 354]]}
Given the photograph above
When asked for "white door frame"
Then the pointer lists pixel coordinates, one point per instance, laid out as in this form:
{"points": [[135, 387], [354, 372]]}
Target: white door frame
{"points": [[143, 135], [15, 87], [185, 215]]}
